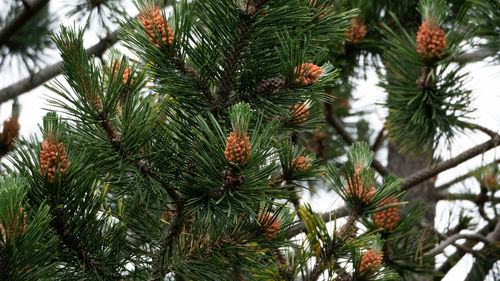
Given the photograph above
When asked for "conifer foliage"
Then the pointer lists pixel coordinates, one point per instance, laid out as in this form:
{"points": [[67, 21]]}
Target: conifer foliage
{"points": [[187, 160]]}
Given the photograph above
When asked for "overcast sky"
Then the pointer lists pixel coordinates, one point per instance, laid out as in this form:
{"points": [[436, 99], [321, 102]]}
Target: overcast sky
{"points": [[484, 80]]}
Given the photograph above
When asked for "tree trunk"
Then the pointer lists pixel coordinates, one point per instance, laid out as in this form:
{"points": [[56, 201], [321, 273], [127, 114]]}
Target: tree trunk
{"points": [[403, 165]]}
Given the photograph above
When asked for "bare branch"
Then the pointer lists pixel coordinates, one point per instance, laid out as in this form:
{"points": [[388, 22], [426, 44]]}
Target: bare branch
{"points": [[444, 237], [476, 55], [336, 123], [465, 176], [30, 9], [451, 240], [430, 172], [51, 71]]}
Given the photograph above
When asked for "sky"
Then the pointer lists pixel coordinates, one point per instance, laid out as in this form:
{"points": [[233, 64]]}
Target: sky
{"points": [[484, 81]]}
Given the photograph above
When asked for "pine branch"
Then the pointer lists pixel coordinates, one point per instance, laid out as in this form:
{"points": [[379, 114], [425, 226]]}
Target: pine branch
{"points": [[75, 245], [430, 172], [476, 198], [477, 55], [327, 217], [30, 9], [483, 129], [451, 240], [379, 140], [444, 237], [465, 176], [336, 123], [52, 71], [327, 253]]}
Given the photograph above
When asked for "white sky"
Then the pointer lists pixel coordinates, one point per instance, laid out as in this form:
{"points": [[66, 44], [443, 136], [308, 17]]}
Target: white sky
{"points": [[484, 81]]}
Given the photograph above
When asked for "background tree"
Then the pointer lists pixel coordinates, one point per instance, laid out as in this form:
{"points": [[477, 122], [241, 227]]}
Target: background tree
{"points": [[189, 160]]}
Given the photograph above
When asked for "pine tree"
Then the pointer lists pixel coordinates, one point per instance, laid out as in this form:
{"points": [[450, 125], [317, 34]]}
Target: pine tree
{"points": [[188, 159]]}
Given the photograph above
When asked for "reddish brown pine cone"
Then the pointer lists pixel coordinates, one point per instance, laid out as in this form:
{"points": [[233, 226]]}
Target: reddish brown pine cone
{"points": [[309, 74], [357, 32], [431, 41], [53, 154], [300, 163], [153, 22], [13, 226], [277, 181], [356, 189], [300, 112], [370, 262], [388, 218], [489, 180], [126, 71], [10, 132], [237, 149], [270, 224]]}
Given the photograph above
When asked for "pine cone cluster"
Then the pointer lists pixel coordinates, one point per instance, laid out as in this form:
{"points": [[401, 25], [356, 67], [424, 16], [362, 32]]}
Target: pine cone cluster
{"points": [[388, 218], [356, 189], [489, 180], [271, 86], [431, 41], [357, 32], [309, 74], [370, 262], [300, 112], [13, 226], [270, 225], [9, 133], [126, 71], [300, 163], [153, 22], [237, 149], [53, 156]]}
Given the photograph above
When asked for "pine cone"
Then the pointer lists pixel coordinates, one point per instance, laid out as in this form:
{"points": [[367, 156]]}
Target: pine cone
{"points": [[356, 189], [153, 22], [388, 218], [126, 71], [430, 41], [357, 32], [309, 74], [277, 181], [53, 154], [370, 262], [489, 180], [271, 86], [300, 112], [231, 180], [13, 226], [300, 163], [316, 144], [237, 149], [10, 132], [270, 225]]}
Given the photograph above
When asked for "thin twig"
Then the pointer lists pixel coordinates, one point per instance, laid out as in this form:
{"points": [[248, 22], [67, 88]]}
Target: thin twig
{"points": [[327, 217], [51, 71], [30, 9], [465, 176], [430, 172], [336, 123], [483, 129]]}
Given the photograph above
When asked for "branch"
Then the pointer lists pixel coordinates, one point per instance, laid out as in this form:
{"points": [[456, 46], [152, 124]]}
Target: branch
{"points": [[379, 140], [327, 217], [430, 172], [451, 240], [464, 196], [465, 176], [483, 129], [336, 123], [30, 9], [51, 71], [476, 55]]}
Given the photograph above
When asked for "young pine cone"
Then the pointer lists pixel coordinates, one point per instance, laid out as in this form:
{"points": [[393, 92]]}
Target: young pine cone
{"points": [[309, 74], [300, 163], [53, 156], [357, 32], [370, 262], [10, 132], [271, 86], [356, 189], [388, 218], [270, 225], [126, 71], [300, 112], [231, 179], [153, 22], [13, 226], [237, 149], [431, 41]]}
